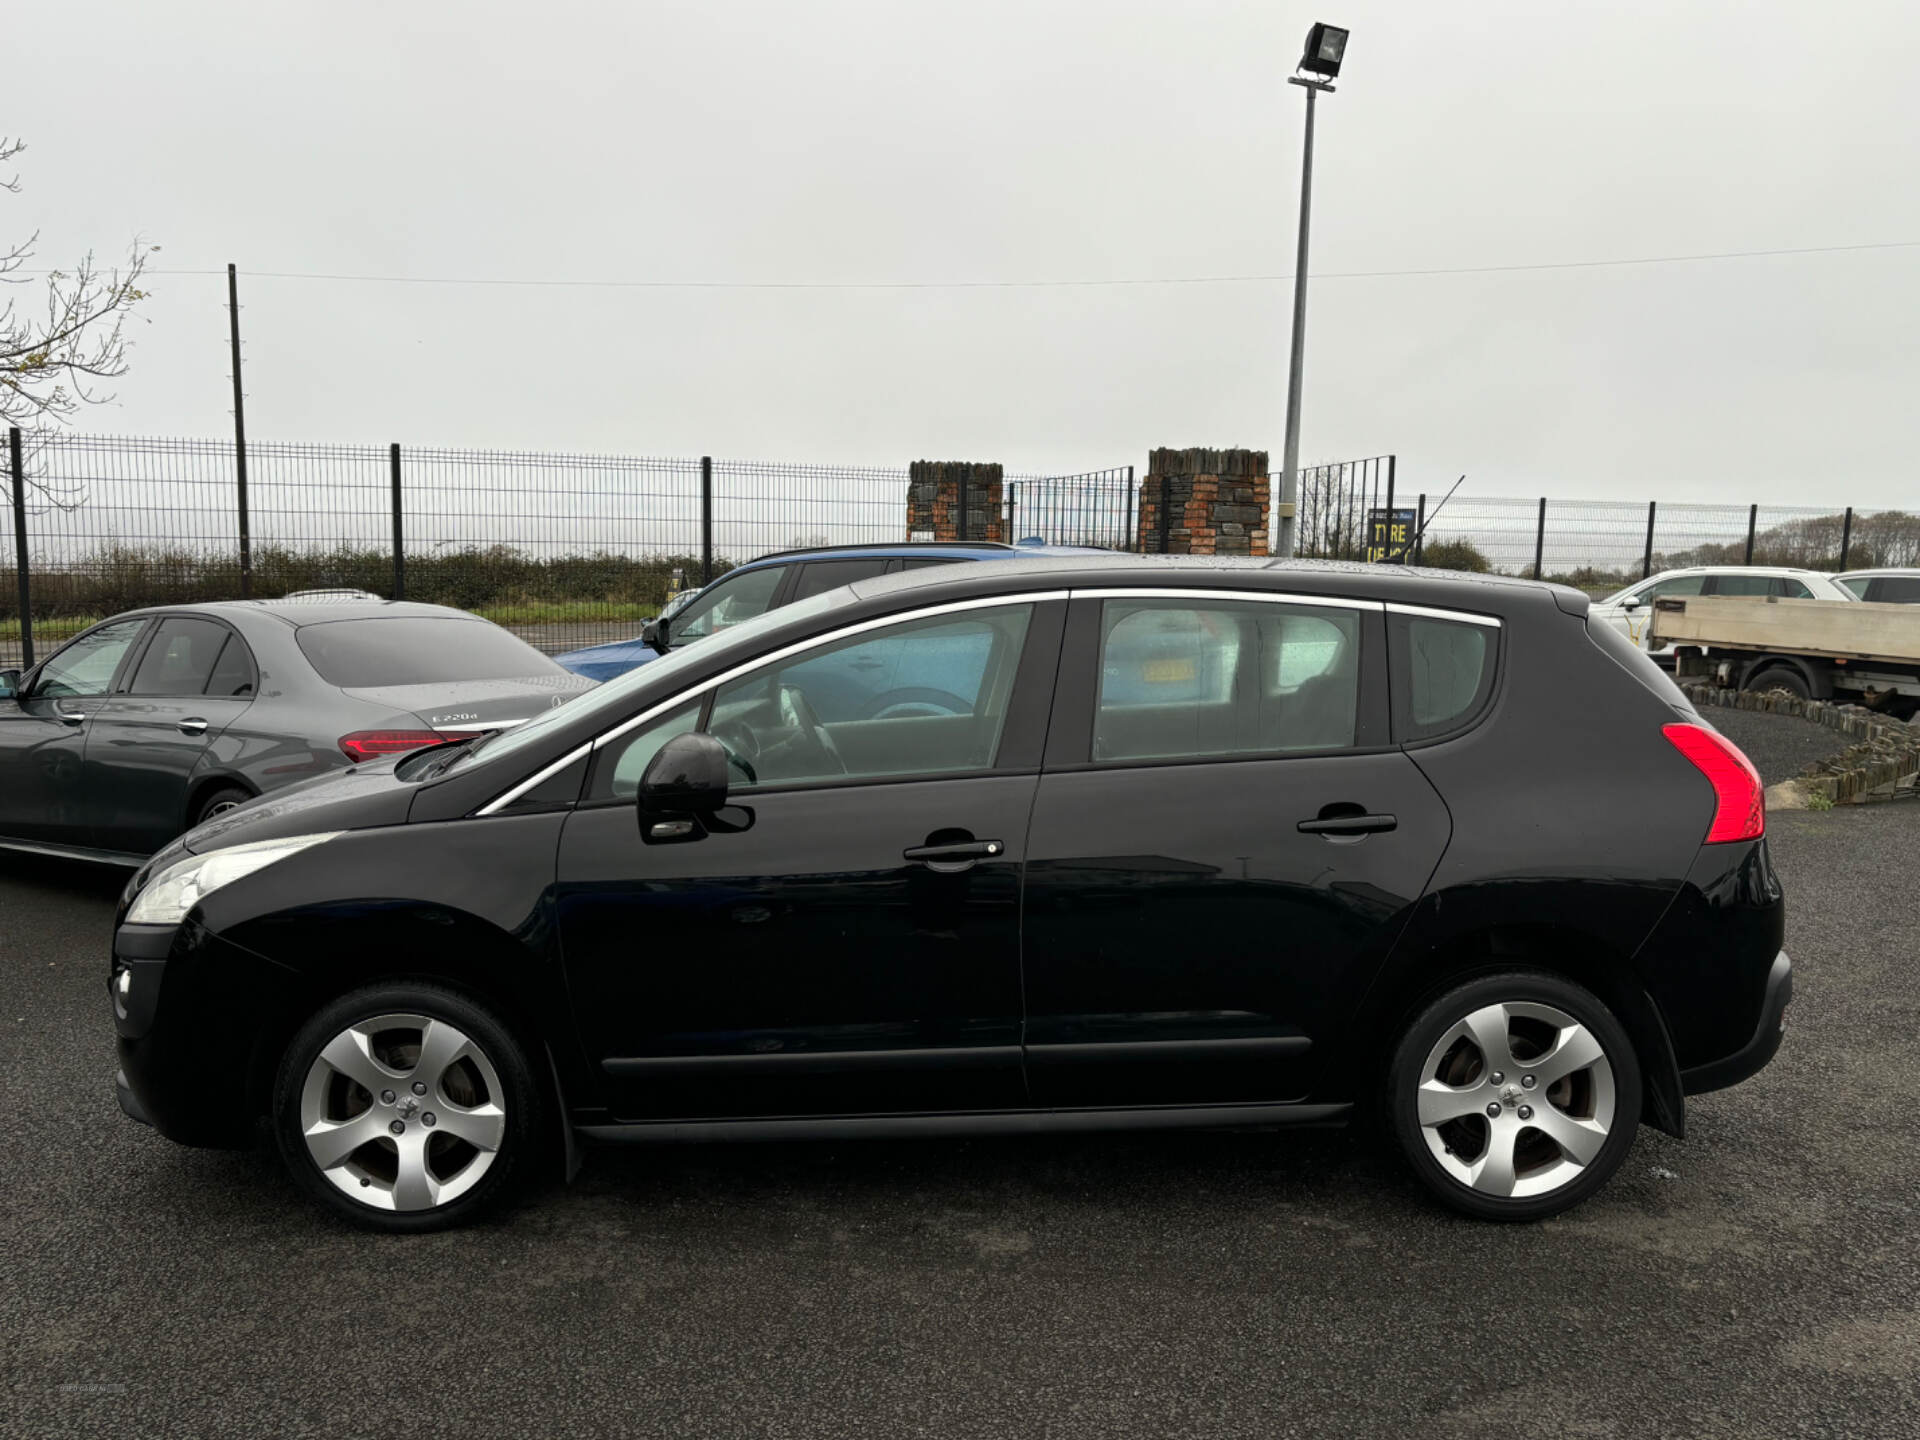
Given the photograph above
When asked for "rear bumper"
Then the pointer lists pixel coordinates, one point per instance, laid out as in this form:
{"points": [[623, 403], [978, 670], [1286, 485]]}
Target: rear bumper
{"points": [[1752, 1057]]}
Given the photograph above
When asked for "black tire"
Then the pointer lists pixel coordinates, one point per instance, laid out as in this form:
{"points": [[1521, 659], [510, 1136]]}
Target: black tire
{"points": [[520, 1096], [218, 802], [1583, 1091], [1781, 677]]}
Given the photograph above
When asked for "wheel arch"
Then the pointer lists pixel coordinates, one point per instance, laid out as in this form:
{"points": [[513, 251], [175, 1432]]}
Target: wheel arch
{"points": [[1819, 684], [205, 784], [1565, 951], [411, 943]]}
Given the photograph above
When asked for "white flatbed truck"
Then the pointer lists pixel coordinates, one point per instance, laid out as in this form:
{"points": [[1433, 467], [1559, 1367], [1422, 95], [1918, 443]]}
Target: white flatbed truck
{"points": [[1857, 653]]}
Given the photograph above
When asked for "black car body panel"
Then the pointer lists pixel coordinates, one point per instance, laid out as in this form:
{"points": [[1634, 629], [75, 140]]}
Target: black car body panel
{"points": [[1147, 937]]}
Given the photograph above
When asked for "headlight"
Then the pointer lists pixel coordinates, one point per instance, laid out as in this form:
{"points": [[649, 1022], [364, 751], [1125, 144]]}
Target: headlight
{"points": [[185, 883]]}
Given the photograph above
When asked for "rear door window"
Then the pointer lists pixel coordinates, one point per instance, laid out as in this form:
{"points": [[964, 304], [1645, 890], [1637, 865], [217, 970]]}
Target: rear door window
{"points": [[1793, 590], [417, 650], [1444, 674], [1895, 590], [1743, 585], [1203, 679], [181, 657]]}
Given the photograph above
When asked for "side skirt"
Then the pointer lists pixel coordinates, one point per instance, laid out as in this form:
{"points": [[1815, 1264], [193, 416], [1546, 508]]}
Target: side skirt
{"points": [[987, 1122], [74, 852]]}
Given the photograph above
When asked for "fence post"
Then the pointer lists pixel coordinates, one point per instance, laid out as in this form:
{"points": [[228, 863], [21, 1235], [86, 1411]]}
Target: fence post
{"points": [[1846, 537], [962, 501], [1013, 507], [1133, 539], [706, 519], [399, 544], [1646, 561], [1753, 520], [20, 546], [1391, 466], [1420, 530], [1540, 538], [239, 435]]}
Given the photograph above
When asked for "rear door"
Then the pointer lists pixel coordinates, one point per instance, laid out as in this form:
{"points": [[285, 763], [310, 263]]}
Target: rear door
{"points": [[1225, 845], [148, 739]]}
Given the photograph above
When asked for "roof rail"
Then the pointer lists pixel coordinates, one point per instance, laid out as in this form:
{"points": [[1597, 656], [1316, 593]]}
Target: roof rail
{"points": [[883, 545]]}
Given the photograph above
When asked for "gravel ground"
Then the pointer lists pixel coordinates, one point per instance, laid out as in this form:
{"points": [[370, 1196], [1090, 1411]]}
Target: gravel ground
{"points": [[1760, 1279], [1780, 746]]}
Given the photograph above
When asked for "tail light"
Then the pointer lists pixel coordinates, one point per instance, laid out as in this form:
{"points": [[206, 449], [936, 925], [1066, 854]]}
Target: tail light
{"points": [[372, 744], [1740, 802]]}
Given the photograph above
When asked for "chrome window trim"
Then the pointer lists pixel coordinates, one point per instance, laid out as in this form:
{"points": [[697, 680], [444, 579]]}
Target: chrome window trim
{"points": [[679, 698], [1269, 597], [1427, 612]]}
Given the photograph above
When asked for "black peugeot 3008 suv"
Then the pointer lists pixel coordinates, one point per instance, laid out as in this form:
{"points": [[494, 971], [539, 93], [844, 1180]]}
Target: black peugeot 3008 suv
{"points": [[1173, 844]]}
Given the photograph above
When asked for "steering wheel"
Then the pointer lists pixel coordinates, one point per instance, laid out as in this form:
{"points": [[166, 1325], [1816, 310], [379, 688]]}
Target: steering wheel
{"points": [[914, 701], [797, 712], [742, 747]]}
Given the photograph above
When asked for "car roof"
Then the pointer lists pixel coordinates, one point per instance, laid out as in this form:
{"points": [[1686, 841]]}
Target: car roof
{"points": [[1878, 570], [1739, 570], [311, 610], [920, 549], [1401, 584]]}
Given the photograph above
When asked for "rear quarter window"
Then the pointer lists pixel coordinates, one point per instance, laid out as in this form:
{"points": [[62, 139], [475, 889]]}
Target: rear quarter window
{"points": [[417, 650], [1444, 673]]}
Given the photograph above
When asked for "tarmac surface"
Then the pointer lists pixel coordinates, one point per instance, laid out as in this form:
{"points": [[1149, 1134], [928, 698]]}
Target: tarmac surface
{"points": [[1760, 1279]]}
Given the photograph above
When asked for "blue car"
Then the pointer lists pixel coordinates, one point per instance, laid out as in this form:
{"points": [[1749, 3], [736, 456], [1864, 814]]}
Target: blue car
{"points": [[780, 579]]}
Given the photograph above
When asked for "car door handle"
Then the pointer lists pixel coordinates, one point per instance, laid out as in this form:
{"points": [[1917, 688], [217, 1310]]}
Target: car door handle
{"points": [[193, 725], [1348, 825], [953, 857], [69, 719]]}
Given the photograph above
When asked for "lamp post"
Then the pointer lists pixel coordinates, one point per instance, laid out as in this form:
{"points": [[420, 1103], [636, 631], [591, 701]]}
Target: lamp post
{"points": [[1326, 47]]}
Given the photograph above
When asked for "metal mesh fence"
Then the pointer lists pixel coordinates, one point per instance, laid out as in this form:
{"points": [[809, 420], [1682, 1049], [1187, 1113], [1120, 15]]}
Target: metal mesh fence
{"points": [[565, 549], [572, 549], [1093, 508]]}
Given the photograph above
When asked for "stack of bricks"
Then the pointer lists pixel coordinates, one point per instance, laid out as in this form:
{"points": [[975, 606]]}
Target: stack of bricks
{"points": [[933, 500], [1215, 501]]}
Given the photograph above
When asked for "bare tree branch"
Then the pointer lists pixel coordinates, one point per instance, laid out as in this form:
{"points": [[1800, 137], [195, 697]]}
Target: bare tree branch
{"points": [[51, 361]]}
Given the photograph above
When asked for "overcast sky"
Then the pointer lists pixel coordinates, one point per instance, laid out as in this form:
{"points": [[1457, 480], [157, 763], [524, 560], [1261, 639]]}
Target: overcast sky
{"points": [[900, 141]]}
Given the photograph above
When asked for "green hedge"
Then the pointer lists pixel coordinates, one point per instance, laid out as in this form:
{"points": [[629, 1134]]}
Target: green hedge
{"points": [[126, 577]]}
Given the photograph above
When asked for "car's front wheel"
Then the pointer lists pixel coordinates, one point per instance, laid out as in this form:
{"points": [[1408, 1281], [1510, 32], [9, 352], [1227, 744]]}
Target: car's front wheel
{"points": [[406, 1107], [1515, 1096]]}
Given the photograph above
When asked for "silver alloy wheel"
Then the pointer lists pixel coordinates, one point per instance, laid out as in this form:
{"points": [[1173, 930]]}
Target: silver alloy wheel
{"points": [[1516, 1100], [222, 808], [403, 1112]]}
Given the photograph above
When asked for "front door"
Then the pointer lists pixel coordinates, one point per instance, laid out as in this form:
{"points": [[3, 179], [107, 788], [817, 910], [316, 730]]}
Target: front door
{"points": [[855, 949], [43, 737], [146, 741], [1224, 848]]}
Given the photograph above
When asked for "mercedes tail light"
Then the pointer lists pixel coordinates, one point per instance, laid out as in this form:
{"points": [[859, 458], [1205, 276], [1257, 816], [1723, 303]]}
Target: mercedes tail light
{"points": [[372, 744], [1740, 802]]}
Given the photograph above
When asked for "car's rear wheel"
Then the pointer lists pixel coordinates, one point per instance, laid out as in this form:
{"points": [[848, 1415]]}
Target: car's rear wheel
{"points": [[406, 1107], [219, 802], [1514, 1096]]}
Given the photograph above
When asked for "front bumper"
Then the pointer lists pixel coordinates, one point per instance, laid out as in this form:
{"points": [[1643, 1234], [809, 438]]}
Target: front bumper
{"points": [[1752, 1057]]}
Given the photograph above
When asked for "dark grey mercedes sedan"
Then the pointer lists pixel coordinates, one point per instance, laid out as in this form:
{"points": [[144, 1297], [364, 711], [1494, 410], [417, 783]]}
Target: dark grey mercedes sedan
{"points": [[153, 721]]}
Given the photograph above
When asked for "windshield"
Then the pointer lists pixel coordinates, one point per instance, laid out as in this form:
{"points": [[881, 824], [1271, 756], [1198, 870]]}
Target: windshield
{"points": [[613, 699]]}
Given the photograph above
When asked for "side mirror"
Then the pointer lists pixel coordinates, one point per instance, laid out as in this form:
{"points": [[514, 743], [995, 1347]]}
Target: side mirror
{"points": [[1630, 603], [653, 635], [681, 788], [9, 684]]}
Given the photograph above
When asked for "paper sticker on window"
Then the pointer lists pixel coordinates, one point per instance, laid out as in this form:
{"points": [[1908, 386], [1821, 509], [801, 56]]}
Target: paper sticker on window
{"points": [[1177, 671]]}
